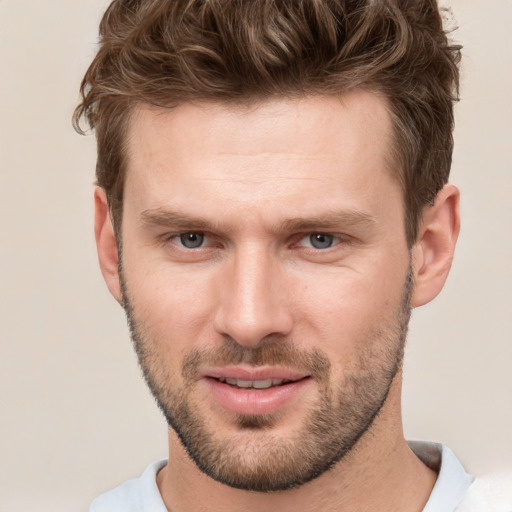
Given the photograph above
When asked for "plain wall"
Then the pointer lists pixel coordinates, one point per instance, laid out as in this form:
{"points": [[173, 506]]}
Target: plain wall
{"points": [[76, 417]]}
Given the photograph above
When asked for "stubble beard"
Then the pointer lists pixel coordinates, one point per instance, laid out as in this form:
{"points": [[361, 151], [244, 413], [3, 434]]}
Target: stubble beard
{"points": [[257, 459]]}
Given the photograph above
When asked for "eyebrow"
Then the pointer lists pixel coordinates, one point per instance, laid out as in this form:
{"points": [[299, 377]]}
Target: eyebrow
{"points": [[160, 217], [165, 218], [329, 220]]}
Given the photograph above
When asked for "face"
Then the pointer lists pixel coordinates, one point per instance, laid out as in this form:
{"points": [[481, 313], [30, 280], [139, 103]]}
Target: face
{"points": [[266, 279]]}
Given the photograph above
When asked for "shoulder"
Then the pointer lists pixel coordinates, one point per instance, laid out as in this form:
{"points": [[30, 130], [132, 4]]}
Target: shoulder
{"points": [[452, 480], [489, 493], [136, 495], [456, 490]]}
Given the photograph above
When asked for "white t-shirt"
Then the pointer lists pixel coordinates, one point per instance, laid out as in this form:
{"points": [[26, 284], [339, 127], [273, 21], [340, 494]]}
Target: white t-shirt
{"points": [[142, 495]]}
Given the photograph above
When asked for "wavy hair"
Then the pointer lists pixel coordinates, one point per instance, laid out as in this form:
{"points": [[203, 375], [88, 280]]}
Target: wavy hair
{"points": [[166, 52]]}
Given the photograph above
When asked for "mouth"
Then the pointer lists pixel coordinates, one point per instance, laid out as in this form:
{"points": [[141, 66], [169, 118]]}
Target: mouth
{"points": [[252, 391], [254, 384]]}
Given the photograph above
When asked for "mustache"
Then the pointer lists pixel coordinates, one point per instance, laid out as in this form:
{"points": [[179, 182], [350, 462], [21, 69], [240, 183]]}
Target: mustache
{"points": [[271, 351]]}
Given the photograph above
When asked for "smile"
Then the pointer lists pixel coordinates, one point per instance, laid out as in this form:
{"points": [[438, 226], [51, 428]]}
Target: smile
{"points": [[254, 391], [256, 384]]}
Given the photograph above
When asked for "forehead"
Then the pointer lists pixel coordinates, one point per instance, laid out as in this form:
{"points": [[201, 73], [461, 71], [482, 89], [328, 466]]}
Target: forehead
{"points": [[311, 123], [274, 150]]}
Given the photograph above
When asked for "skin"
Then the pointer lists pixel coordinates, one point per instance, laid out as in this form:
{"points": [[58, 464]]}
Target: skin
{"points": [[322, 160]]}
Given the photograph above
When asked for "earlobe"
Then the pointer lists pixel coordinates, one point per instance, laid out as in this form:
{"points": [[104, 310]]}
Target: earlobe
{"points": [[106, 243], [432, 254]]}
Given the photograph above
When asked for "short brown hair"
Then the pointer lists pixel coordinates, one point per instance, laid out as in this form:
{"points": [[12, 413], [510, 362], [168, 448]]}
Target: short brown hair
{"points": [[166, 52]]}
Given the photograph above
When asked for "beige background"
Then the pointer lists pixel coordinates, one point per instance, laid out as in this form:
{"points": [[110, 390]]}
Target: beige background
{"points": [[75, 416]]}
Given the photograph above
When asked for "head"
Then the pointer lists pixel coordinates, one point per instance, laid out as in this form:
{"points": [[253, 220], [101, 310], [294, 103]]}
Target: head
{"points": [[168, 53], [271, 203]]}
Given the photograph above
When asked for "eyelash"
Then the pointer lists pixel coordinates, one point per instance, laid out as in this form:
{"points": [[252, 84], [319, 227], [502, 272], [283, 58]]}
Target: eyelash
{"points": [[175, 238], [336, 240]]}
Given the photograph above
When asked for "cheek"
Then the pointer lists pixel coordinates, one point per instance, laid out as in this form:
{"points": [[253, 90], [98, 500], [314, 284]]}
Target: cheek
{"points": [[343, 310], [173, 306]]}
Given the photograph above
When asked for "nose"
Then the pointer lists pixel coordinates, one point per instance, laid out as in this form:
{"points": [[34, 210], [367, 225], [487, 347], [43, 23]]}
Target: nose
{"points": [[252, 299]]}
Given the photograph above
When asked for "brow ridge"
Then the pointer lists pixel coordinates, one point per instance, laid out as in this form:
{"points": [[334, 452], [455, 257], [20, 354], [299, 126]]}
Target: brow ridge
{"points": [[329, 220]]}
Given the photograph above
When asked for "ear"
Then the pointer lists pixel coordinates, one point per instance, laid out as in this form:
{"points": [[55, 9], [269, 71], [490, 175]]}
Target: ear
{"points": [[432, 254], [106, 243]]}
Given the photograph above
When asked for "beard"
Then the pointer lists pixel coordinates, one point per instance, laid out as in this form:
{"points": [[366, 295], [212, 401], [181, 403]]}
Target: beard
{"points": [[255, 459]]}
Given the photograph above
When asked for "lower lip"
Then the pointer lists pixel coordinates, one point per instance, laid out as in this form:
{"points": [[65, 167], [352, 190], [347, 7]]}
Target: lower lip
{"points": [[255, 401]]}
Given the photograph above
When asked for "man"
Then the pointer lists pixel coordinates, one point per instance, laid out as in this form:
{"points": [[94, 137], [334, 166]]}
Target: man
{"points": [[272, 201]]}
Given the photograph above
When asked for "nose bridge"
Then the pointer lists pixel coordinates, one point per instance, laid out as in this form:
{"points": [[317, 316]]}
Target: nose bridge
{"points": [[253, 301]]}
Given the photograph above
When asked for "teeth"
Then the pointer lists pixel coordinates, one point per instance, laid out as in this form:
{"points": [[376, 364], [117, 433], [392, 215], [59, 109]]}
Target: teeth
{"points": [[240, 383], [262, 384], [257, 384]]}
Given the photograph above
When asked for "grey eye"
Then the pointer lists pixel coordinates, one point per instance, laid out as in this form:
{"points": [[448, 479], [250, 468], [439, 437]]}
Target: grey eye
{"points": [[192, 240], [321, 240]]}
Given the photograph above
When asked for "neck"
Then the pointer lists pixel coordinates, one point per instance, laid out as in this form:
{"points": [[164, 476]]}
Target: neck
{"points": [[380, 473]]}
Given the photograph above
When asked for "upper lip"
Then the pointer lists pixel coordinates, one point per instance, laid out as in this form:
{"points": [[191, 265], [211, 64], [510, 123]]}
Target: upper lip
{"points": [[252, 374]]}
